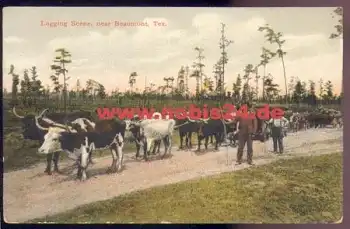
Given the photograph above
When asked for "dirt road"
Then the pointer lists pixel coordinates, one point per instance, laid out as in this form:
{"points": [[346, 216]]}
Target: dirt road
{"points": [[29, 194]]}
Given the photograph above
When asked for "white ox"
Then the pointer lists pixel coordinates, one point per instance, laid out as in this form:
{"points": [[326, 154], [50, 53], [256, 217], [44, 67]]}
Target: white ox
{"points": [[154, 131]]}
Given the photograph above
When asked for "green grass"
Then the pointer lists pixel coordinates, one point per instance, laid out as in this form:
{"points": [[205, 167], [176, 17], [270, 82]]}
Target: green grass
{"points": [[300, 190]]}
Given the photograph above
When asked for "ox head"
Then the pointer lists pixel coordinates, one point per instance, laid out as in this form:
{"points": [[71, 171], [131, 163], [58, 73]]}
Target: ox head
{"points": [[51, 142], [82, 125], [30, 130], [134, 126]]}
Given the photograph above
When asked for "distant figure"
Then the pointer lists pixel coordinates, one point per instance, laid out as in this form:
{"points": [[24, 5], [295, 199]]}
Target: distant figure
{"points": [[278, 133], [246, 127]]}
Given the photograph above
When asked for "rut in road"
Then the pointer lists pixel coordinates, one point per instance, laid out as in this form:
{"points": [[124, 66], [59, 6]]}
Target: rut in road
{"points": [[29, 194]]}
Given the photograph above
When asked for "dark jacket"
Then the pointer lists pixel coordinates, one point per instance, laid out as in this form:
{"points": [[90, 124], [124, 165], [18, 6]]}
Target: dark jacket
{"points": [[247, 125]]}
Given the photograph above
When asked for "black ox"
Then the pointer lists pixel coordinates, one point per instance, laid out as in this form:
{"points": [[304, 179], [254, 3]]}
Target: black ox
{"points": [[208, 128], [186, 128]]}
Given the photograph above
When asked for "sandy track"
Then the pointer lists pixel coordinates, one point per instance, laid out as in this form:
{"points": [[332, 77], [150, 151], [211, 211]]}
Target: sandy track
{"points": [[29, 194]]}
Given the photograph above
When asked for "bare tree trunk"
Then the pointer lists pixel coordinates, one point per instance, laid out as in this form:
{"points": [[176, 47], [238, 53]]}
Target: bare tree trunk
{"points": [[257, 84], [264, 78], [64, 89], [285, 79]]}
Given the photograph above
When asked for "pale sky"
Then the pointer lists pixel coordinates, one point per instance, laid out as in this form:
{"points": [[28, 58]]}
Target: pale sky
{"points": [[108, 55]]}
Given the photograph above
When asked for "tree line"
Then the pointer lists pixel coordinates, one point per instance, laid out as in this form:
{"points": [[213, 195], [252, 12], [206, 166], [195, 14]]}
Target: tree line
{"points": [[27, 90]]}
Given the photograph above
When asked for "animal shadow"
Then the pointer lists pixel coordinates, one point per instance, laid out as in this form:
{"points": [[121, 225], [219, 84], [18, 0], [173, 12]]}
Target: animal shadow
{"points": [[65, 171], [91, 173], [202, 152], [185, 148]]}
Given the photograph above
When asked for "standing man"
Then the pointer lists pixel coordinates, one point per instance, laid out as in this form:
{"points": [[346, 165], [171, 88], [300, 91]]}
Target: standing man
{"points": [[246, 127], [277, 133]]}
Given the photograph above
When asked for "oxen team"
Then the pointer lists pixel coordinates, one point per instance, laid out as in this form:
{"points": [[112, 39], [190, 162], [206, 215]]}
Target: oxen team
{"points": [[319, 118], [78, 134]]}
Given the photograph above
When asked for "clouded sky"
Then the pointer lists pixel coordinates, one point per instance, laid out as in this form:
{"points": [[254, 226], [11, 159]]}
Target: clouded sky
{"points": [[109, 54]]}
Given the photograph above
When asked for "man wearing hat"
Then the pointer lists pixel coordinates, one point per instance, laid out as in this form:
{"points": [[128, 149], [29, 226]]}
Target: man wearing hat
{"points": [[246, 127]]}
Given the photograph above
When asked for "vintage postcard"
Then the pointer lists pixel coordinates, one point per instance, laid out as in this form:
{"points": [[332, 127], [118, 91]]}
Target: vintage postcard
{"points": [[172, 115]]}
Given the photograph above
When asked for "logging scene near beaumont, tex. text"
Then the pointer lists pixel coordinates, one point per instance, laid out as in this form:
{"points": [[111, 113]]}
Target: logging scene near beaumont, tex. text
{"points": [[64, 164]]}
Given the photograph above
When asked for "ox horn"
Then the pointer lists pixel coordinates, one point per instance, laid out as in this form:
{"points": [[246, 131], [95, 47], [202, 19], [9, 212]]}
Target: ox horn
{"points": [[52, 123], [205, 120], [228, 122], [66, 127], [42, 113], [15, 113], [191, 120], [38, 125], [188, 117], [60, 126]]}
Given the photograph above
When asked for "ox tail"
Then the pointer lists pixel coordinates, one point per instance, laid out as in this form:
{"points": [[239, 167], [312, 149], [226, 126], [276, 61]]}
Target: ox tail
{"points": [[171, 126]]}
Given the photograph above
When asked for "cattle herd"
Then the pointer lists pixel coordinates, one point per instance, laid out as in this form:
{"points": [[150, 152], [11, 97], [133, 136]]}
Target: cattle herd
{"points": [[79, 135]]}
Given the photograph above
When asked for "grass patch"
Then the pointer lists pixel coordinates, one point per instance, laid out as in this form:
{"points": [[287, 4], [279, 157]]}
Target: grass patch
{"points": [[300, 190]]}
